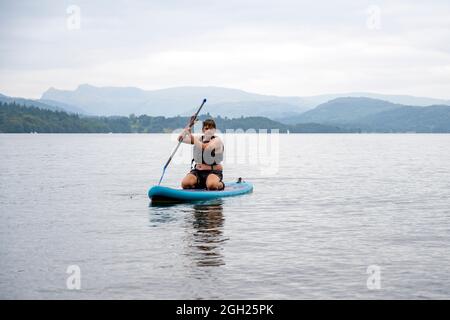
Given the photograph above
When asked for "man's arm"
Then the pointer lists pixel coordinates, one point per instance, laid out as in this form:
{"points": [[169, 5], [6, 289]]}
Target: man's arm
{"points": [[186, 136]]}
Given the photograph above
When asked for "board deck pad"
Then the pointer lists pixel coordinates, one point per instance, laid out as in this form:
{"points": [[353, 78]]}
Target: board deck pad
{"points": [[160, 193]]}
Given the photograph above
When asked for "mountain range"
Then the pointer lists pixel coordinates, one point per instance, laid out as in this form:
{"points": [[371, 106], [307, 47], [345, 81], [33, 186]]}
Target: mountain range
{"points": [[108, 101], [374, 115], [175, 101], [43, 104], [366, 112]]}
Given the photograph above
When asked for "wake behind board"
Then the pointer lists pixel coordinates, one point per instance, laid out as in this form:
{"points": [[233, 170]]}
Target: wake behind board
{"points": [[166, 194]]}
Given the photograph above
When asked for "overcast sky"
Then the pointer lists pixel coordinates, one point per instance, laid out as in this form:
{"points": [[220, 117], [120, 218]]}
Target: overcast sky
{"points": [[270, 47]]}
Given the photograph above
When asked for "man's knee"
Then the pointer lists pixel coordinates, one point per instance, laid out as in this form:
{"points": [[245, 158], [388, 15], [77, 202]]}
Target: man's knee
{"points": [[212, 185], [188, 183]]}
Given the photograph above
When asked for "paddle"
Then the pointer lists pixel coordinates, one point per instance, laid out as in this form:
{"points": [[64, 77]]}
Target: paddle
{"points": [[190, 124]]}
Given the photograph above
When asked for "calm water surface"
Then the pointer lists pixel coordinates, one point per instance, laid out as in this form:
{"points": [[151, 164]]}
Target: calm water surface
{"points": [[338, 204]]}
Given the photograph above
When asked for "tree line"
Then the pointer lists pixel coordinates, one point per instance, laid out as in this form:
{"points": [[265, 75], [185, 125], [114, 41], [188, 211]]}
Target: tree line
{"points": [[16, 118]]}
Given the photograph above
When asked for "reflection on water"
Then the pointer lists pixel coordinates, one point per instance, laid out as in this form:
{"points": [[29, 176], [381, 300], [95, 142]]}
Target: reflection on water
{"points": [[204, 222], [207, 237]]}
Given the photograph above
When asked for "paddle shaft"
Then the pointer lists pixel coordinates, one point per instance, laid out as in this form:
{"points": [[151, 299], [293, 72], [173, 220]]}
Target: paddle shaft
{"points": [[190, 124]]}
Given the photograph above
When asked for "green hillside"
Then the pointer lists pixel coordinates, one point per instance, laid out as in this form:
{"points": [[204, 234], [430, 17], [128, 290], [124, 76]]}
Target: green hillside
{"points": [[16, 118]]}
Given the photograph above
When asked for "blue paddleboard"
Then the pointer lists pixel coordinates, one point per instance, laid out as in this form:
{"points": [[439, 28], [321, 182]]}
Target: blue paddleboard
{"points": [[160, 193]]}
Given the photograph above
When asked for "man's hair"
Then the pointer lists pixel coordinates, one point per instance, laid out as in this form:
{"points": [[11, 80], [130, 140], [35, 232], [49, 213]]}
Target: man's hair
{"points": [[209, 123]]}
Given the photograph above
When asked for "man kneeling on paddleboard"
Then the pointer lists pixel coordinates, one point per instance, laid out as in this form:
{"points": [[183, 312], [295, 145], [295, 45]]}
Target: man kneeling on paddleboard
{"points": [[208, 154]]}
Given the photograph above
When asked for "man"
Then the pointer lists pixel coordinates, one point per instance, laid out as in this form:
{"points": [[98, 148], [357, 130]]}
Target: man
{"points": [[208, 155]]}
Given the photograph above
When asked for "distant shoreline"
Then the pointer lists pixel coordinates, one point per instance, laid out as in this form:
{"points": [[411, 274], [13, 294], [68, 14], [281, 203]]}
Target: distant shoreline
{"points": [[15, 118]]}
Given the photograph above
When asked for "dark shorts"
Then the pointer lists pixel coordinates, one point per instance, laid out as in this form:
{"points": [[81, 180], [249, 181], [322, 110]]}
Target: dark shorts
{"points": [[202, 175]]}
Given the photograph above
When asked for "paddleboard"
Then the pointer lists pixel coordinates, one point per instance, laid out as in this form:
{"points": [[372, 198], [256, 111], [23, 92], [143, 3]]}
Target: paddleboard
{"points": [[160, 193]]}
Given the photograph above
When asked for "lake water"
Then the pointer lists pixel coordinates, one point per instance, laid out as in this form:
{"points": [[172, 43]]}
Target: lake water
{"points": [[333, 206]]}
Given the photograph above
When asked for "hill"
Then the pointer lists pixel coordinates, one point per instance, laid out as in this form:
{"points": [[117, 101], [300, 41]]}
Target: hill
{"points": [[432, 119], [43, 104], [342, 111], [15, 118]]}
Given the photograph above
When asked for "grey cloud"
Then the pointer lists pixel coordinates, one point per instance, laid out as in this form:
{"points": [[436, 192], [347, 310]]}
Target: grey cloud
{"points": [[34, 37]]}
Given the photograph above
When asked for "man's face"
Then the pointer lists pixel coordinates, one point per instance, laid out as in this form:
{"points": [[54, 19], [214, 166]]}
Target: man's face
{"points": [[208, 130]]}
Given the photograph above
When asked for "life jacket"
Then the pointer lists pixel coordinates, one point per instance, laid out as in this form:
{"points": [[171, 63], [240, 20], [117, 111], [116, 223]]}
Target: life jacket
{"points": [[214, 158]]}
